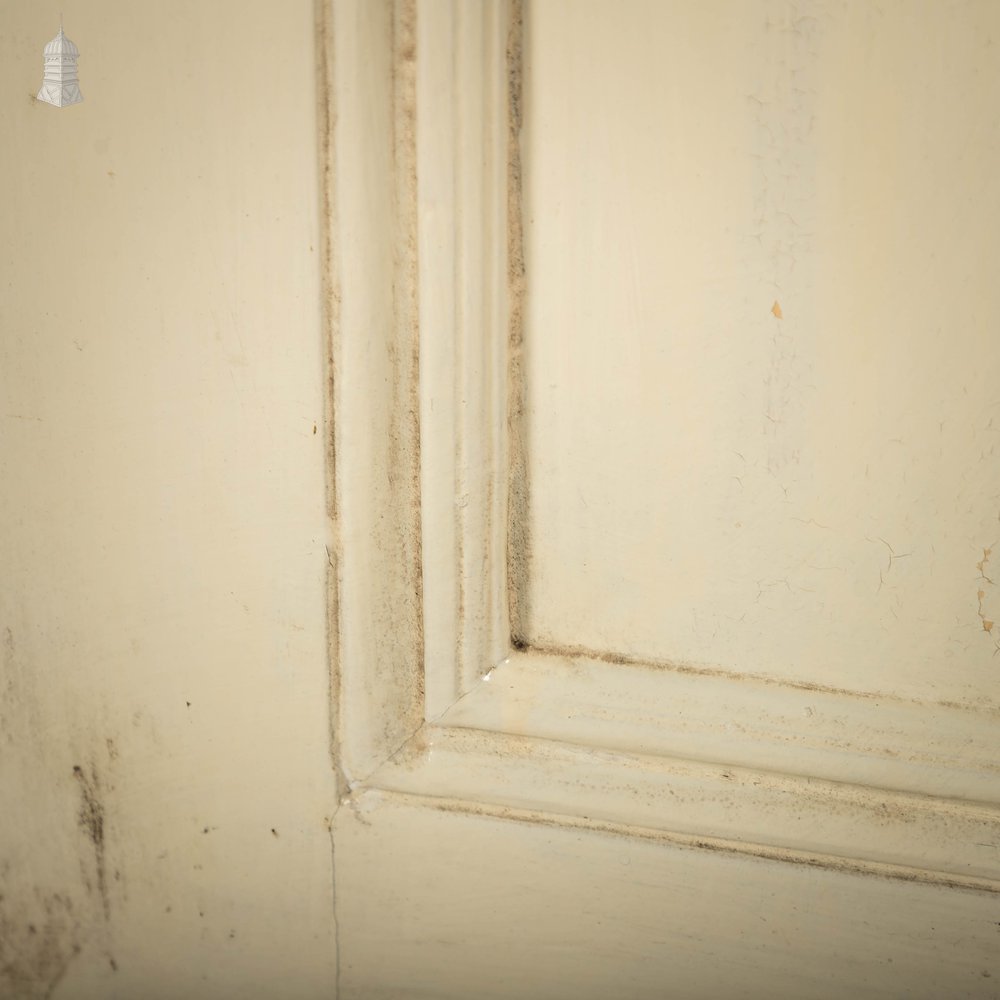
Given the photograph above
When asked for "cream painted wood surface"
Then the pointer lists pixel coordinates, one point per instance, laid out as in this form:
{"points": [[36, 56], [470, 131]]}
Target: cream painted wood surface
{"points": [[550, 912], [642, 238], [162, 522], [725, 810], [763, 414]]}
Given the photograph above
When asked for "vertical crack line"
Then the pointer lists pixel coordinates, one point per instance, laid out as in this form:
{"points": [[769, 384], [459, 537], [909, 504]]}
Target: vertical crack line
{"points": [[406, 409], [405, 292], [330, 312], [333, 887], [518, 527], [496, 124], [988, 623], [459, 386], [330, 325]]}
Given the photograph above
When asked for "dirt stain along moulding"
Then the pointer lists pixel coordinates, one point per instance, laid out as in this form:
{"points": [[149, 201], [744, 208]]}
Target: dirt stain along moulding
{"points": [[60, 85]]}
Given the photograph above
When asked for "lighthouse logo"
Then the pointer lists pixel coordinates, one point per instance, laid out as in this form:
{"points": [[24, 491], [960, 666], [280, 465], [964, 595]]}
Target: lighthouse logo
{"points": [[60, 85]]}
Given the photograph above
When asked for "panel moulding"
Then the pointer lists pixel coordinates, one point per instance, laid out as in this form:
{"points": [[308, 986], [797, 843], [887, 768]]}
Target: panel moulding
{"points": [[434, 699]]}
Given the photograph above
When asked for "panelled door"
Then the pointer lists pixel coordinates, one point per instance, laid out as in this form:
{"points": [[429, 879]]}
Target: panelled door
{"points": [[665, 382]]}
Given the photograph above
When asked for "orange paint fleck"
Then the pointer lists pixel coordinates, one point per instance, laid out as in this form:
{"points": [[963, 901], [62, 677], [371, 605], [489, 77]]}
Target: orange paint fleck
{"points": [[776, 310], [987, 625]]}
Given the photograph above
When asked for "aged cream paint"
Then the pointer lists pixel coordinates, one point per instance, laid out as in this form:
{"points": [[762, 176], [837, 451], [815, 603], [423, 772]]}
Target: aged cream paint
{"points": [[492, 905], [583, 819], [763, 408], [162, 523], [164, 536]]}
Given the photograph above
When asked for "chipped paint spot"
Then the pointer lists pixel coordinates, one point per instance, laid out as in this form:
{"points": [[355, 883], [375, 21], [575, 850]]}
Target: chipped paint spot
{"points": [[981, 565], [982, 596]]}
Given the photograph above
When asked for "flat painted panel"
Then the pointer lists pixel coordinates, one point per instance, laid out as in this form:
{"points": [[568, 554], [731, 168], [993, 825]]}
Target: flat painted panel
{"points": [[162, 522], [479, 906], [761, 350]]}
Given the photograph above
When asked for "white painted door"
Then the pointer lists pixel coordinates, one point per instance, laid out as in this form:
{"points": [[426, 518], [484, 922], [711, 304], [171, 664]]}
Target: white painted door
{"points": [[665, 394]]}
